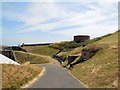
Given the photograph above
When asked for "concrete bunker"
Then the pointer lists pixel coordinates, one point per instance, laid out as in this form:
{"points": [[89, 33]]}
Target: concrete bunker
{"points": [[71, 58], [87, 52], [81, 38]]}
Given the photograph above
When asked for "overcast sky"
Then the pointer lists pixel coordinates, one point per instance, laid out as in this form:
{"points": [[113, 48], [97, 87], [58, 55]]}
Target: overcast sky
{"points": [[50, 21]]}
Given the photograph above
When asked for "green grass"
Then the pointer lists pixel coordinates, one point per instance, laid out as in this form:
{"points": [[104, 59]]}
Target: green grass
{"points": [[100, 71], [41, 50], [60, 45], [66, 46], [14, 76], [63, 55], [71, 47], [23, 57]]}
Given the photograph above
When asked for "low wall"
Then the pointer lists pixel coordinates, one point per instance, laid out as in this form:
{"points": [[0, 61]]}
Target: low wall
{"points": [[9, 54], [35, 44], [16, 48], [8, 51]]}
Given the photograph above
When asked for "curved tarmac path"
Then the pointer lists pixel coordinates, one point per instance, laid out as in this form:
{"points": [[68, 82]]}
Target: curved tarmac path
{"points": [[56, 77]]}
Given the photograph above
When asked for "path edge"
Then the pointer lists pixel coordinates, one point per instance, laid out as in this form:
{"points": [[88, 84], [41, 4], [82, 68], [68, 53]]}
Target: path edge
{"points": [[78, 79], [34, 79]]}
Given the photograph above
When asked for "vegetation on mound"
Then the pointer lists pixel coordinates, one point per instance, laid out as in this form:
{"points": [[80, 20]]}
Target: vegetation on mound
{"points": [[14, 76], [23, 57], [69, 45], [41, 50], [71, 48], [100, 71], [65, 45]]}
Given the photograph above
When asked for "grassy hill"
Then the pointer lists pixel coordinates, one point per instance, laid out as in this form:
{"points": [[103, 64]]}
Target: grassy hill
{"points": [[36, 54], [41, 50], [100, 71], [23, 57], [15, 76]]}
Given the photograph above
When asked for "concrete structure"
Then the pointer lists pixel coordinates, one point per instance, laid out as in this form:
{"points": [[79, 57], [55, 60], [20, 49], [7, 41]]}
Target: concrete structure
{"points": [[41, 44], [17, 48], [90, 50], [8, 52], [88, 53], [71, 58], [81, 38], [6, 60]]}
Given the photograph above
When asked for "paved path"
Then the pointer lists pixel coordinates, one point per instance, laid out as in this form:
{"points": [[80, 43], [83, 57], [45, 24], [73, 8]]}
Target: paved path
{"points": [[56, 77]]}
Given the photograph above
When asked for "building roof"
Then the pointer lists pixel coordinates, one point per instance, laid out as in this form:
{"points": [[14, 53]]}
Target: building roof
{"points": [[81, 36]]}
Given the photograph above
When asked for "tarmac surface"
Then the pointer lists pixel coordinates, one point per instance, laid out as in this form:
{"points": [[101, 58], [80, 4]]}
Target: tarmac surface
{"points": [[56, 77]]}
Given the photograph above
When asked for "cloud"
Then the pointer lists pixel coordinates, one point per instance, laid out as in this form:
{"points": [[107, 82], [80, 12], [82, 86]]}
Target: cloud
{"points": [[41, 27], [39, 12], [100, 16], [94, 30], [81, 1]]}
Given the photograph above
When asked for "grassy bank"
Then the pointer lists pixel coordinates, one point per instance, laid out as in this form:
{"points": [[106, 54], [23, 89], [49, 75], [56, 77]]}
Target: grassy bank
{"points": [[23, 57], [14, 76], [100, 71], [41, 50], [72, 48]]}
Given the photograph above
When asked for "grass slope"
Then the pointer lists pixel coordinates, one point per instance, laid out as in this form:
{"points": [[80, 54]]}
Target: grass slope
{"points": [[71, 47], [41, 50], [23, 57], [14, 76], [101, 70]]}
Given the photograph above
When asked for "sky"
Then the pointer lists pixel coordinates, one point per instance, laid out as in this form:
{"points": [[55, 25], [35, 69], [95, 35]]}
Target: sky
{"points": [[55, 20]]}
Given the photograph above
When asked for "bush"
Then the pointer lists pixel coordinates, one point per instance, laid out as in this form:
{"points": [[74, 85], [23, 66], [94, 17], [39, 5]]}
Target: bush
{"points": [[60, 45]]}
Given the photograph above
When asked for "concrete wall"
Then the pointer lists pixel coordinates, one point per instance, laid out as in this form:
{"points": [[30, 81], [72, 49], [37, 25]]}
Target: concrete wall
{"points": [[88, 53], [16, 48], [8, 51], [6, 60], [9, 54], [71, 58], [35, 44]]}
